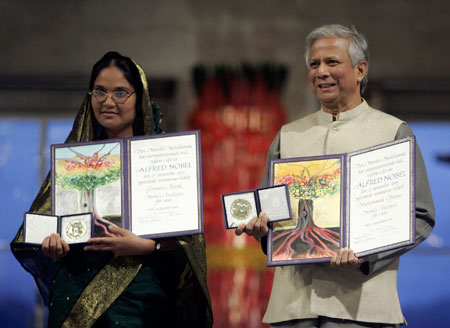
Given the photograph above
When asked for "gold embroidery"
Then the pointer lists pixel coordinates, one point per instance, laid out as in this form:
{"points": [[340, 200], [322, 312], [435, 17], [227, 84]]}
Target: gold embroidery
{"points": [[103, 290], [148, 122]]}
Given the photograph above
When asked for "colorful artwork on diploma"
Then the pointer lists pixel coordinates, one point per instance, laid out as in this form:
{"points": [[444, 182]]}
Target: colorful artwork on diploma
{"points": [[315, 193], [88, 180]]}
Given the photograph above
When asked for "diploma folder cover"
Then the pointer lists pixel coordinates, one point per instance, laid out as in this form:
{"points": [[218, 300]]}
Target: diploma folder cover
{"points": [[363, 200], [150, 185]]}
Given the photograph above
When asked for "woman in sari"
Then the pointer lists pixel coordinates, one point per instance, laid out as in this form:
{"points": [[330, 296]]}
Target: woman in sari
{"points": [[122, 280]]}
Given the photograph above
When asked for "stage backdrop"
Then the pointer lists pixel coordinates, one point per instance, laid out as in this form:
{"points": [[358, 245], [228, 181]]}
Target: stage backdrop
{"points": [[238, 111]]}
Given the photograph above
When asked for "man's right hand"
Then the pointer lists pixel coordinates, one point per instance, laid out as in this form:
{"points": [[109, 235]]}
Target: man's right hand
{"points": [[256, 227], [55, 247]]}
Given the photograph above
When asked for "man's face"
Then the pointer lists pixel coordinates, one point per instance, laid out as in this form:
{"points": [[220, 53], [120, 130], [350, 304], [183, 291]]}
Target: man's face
{"points": [[332, 78]]}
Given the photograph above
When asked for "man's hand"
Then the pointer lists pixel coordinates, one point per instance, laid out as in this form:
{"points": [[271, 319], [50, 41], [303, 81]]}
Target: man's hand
{"points": [[55, 247], [256, 227], [125, 244], [346, 258]]}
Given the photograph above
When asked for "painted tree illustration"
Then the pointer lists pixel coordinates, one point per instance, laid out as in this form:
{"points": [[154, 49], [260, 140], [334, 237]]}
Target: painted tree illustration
{"points": [[87, 173], [307, 240]]}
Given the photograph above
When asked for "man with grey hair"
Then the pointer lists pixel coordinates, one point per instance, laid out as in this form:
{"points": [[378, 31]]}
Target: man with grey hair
{"points": [[349, 291]]}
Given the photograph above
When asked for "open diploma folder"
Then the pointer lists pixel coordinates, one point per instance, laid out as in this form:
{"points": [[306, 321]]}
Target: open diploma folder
{"points": [[363, 200], [150, 185]]}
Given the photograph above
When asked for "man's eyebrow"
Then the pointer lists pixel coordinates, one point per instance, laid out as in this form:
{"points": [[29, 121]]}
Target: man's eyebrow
{"points": [[324, 58]]}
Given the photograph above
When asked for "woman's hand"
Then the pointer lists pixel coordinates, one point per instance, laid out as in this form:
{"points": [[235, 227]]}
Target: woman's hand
{"points": [[55, 247], [346, 258], [256, 227], [125, 244]]}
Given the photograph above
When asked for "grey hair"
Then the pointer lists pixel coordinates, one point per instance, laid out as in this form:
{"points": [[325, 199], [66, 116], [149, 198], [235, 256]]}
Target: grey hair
{"points": [[358, 49]]}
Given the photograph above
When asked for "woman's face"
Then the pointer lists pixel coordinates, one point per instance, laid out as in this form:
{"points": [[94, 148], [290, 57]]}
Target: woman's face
{"points": [[116, 118]]}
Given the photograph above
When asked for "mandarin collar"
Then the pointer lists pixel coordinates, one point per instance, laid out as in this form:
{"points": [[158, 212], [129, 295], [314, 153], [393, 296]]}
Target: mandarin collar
{"points": [[344, 116]]}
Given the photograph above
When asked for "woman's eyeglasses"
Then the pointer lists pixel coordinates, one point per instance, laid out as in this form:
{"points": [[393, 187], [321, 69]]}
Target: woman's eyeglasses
{"points": [[119, 97]]}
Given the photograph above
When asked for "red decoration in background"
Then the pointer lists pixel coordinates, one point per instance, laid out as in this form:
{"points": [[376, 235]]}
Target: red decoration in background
{"points": [[239, 113]]}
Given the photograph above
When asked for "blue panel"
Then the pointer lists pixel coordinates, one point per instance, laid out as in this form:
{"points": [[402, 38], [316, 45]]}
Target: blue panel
{"points": [[434, 140], [20, 162], [57, 132], [19, 172], [424, 290], [423, 276]]}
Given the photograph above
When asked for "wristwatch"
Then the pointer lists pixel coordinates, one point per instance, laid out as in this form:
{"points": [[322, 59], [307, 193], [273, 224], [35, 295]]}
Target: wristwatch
{"points": [[157, 246]]}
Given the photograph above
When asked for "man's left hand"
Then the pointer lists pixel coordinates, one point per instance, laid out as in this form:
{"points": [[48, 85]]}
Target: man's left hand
{"points": [[346, 258]]}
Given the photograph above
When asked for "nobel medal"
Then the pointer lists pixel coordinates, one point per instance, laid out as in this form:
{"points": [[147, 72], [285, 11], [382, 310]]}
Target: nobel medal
{"points": [[241, 209], [76, 229]]}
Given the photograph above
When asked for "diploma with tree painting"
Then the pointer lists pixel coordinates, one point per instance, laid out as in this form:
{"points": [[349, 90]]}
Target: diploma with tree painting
{"points": [[150, 185], [363, 200]]}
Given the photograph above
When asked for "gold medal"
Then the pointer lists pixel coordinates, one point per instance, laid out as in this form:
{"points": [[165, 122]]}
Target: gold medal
{"points": [[76, 229], [241, 209]]}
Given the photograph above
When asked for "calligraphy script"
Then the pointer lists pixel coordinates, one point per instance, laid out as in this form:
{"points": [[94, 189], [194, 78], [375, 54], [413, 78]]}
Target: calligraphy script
{"points": [[164, 184], [379, 197]]}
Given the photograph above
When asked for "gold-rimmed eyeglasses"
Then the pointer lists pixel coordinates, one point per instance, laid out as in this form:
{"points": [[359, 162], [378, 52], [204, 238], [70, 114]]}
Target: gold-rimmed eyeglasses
{"points": [[119, 97]]}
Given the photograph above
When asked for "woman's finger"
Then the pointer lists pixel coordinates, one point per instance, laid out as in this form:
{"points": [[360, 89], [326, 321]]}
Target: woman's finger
{"points": [[65, 246], [59, 249], [53, 245], [98, 247], [117, 230], [101, 240], [45, 246]]}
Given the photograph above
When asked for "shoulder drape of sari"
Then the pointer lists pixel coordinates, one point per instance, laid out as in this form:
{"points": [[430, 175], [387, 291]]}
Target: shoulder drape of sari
{"points": [[119, 271]]}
